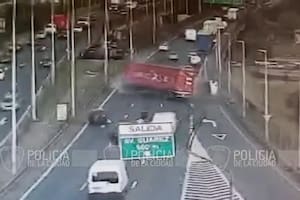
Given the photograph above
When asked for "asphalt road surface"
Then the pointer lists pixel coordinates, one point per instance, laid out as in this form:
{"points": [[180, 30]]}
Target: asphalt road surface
{"points": [[164, 182]]}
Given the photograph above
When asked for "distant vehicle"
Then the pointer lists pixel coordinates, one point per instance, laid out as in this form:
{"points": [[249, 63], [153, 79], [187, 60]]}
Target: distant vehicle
{"points": [[61, 21], [178, 82], [22, 65], [41, 48], [194, 58], [8, 95], [18, 47], [5, 59], [116, 54], [7, 105], [62, 35], [2, 74], [36, 42], [109, 179], [98, 117], [123, 11], [46, 62], [90, 53], [78, 28], [50, 28], [131, 4], [41, 35], [173, 56], [204, 42], [164, 47], [190, 35], [83, 21]]}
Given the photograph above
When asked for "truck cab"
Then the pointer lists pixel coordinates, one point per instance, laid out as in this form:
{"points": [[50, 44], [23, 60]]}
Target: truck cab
{"points": [[107, 178]]}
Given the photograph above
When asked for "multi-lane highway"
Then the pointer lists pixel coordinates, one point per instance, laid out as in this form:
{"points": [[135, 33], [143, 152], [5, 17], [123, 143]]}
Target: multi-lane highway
{"points": [[254, 182]]}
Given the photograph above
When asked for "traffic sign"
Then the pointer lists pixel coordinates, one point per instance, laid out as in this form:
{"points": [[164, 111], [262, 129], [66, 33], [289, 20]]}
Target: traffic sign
{"points": [[147, 147], [220, 136]]}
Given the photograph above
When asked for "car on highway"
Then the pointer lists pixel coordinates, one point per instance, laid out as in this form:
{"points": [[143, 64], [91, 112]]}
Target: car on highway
{"points": [[41, 48], [131, 4], [116, 54], [2, 74], [123, 11], [18, 47], [163, 47], [173, 56], [36, 43], [7, 105], [8, 95], [45, 62], [5, 59], [41, 35], [98, 117], [62, 35], [50, 28], [78, 28], [83, 21]]}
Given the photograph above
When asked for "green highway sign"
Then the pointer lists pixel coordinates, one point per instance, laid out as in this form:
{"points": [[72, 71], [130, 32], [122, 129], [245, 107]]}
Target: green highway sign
{"points": [[150, 146]]}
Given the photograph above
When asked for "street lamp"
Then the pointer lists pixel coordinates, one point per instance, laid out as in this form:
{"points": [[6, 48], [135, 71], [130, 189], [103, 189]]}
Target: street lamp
{"points": [[243, 76], [33, 77], [13, 111], [105, 44], [229, 61], [52, 44], [154, 22], [267, 115], [73, 103], [89, 24], [130, 30]]}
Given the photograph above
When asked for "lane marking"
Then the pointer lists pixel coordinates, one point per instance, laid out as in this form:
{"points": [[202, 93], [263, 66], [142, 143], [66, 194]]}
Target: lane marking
{"points": [[53, 165], [83, 186], [278, 170]]}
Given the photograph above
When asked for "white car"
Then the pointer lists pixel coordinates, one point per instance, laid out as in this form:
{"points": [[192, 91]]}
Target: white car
{"points": [[7, 104], [194, 58], [163, 47], [2, 74], [173, 56], [83, 21], [49, 28], [41, 35], [78, 28]]}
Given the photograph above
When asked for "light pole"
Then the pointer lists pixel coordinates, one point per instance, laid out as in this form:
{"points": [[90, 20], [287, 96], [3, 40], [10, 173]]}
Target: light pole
{"points": [[219, 56], [130, 31], [13, 78], [105, 45], [33, 86], [68, 30], [52, 44], [267, 115], [243, 76], [172, 11], [154, 22], [73, 103], [89, 24], [199, 6], [147, 7], [229, 61]]}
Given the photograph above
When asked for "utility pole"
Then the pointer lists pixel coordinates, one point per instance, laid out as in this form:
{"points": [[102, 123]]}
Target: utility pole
{"points": [[154, 22], [105, 45], [243, 76], [229, 62], [33, 77], [130, 31], [147, 7], [267, 115], [89, 23], [68, 30], [52, 44], [187, 7], [172, 11], [13, 78], [73, 102], [219, 57], [199, 6]]}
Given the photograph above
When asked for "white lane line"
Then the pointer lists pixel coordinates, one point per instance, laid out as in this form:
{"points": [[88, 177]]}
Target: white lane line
{"points": [[84, 185], [53, 165], [278, 170]]}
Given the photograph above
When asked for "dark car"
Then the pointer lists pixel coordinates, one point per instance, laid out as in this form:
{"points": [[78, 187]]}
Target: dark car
{"points": [[98, 117], [116, 54], [45, 62], [5, 59], [62, 35]]}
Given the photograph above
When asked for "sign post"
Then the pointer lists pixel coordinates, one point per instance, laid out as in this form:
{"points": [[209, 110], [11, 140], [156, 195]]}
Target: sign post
{"points": [[144, 141]]}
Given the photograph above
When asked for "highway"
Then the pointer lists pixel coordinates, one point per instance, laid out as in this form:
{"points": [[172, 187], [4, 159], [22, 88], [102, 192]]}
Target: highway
{"points": [[163, 182], [24, 73]]}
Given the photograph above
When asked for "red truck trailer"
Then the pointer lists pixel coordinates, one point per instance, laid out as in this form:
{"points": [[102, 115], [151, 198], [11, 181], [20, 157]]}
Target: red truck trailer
{"points": [[61, 21], [180, 81]]}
